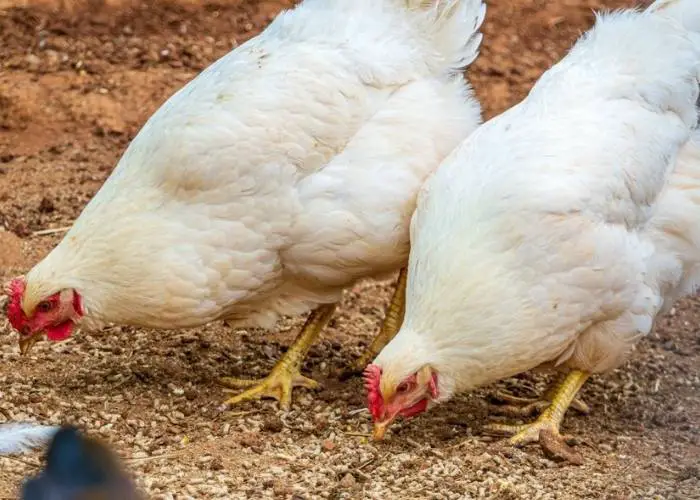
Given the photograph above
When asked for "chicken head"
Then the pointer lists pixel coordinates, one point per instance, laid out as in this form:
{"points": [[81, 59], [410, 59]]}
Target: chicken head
{"points": [[54, 316], [388, 398]]}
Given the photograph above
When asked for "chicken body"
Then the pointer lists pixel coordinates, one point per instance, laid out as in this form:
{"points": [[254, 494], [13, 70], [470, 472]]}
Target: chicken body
{"points": [[558, 231], [278, 177]]}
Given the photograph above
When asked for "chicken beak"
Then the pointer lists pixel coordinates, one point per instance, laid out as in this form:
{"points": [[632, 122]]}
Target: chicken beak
{"points": [[380, 429], [26, 343]]}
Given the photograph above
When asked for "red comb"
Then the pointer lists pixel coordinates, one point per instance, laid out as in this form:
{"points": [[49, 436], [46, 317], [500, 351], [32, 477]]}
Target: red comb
{"points": [[15, 314], [375, 402]]}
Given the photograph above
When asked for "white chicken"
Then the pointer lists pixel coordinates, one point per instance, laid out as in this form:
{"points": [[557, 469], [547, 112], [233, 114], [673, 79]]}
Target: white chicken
{"points": [[557, 232], [281, 175]]}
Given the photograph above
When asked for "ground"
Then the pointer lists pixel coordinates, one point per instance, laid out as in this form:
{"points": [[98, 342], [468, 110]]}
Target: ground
{"points": [[76, 84]]}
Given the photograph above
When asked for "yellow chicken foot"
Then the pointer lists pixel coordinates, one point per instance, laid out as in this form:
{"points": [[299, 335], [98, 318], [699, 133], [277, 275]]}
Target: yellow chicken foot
{"points": [[390, 327], [516, 407], [545, 429], [287, 372]]}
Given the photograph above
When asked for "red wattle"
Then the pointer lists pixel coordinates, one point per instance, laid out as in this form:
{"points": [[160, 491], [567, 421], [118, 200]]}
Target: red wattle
{"points": [[60, 332], [417, 408]]}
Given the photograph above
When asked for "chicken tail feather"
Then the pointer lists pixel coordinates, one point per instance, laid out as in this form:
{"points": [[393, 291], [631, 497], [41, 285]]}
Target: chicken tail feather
{"points": [[454, 28]]}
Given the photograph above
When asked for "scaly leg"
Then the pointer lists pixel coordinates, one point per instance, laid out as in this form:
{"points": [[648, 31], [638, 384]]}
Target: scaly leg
{"points": [[287, 372], [512, 406], [546, 428], [390, 327]]}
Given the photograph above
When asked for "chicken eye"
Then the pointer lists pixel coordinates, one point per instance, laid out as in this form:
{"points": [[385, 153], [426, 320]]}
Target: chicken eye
{"points": [[403, 387], [44, 306]]}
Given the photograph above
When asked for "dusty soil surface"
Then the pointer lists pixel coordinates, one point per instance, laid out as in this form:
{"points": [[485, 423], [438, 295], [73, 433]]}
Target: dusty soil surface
{"points": [[75, 86]]}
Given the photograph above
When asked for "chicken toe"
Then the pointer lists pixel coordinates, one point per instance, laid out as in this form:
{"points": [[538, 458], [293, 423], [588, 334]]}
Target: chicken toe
{"points": [[512, 406], [287, 372], [545, 429], [519, 407], [278, 385], [545, 432]]}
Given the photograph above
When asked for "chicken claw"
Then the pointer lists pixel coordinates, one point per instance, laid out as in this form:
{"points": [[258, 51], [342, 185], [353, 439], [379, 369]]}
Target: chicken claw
{"points": [[517, 407], [390, 327], [287, 372], [553, 444], [512, 406], [545, 429], [278, 385]]}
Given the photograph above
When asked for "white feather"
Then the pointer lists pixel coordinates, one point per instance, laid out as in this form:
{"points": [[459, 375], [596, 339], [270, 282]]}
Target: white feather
{"points": [[24, 437]]}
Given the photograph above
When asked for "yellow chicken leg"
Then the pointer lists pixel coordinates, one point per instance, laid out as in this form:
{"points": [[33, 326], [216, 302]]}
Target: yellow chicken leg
{"points": [[390, 327], [287, 372], [545, 429]]}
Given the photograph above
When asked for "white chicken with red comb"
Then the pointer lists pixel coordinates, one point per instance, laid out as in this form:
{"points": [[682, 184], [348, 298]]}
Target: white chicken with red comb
{"points": [[280, 176], [557, 232]]}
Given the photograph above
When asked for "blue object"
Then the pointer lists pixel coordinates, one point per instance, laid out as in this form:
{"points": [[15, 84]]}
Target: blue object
{"points": [[79, 468]]}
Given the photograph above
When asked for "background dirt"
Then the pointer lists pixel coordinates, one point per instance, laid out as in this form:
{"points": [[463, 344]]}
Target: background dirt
{"points": [[75, 86]]}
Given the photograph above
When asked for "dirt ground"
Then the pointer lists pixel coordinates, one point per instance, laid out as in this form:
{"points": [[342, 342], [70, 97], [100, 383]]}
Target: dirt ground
{"points": [[75, 86]]}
